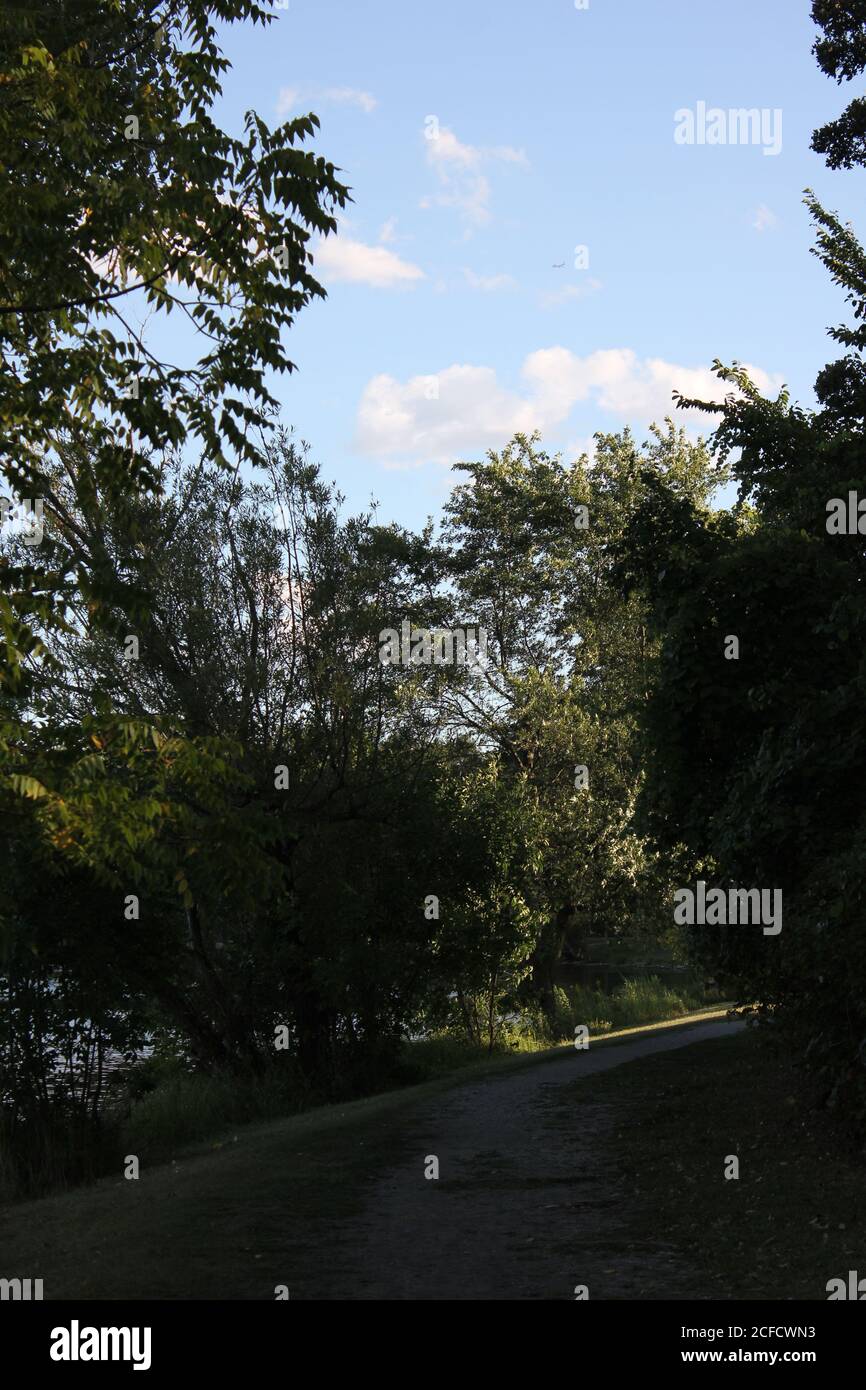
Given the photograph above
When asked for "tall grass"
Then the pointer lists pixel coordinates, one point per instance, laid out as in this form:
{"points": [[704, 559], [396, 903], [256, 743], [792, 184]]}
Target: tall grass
{"points": [[189, 1107], [635, 1001]]}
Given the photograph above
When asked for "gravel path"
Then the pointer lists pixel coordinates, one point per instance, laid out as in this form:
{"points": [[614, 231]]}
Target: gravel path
{"points": [[528, 1203]]}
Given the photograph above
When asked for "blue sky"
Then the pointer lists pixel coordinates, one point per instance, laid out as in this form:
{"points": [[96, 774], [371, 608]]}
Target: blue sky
{"points": [[446, 325]]}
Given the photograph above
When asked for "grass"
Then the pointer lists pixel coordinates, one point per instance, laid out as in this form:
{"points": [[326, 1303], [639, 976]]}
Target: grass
{"points": [[795, 1217]]}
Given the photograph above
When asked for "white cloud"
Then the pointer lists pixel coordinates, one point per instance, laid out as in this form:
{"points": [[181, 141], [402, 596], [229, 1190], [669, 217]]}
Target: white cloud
{"points": [[459, 169], [289, 98], [617, 380], [764, 219], [581, 291], [341, 258], [464, 409], [435, 417], [350, 96], [489, 283], [443, 148]]}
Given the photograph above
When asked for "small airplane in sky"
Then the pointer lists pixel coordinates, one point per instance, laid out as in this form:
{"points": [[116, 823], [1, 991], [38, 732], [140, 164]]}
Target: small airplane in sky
{"points": [[557, 265]]}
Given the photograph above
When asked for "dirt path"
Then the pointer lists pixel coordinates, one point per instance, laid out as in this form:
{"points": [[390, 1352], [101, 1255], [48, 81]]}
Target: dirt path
{"points": [[527, 1204]]}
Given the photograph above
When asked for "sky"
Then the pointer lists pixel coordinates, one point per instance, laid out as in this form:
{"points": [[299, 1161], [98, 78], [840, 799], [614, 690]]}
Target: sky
{"points": [[532, 244]]}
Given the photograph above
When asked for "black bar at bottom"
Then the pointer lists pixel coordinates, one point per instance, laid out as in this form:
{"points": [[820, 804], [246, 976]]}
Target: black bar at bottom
{"points": [[227, 1339]]}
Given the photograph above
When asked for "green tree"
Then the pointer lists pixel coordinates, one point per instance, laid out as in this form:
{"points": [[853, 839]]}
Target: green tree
{"points": [[533, 545], [237, 756], [841, 54], [122, 193]]}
